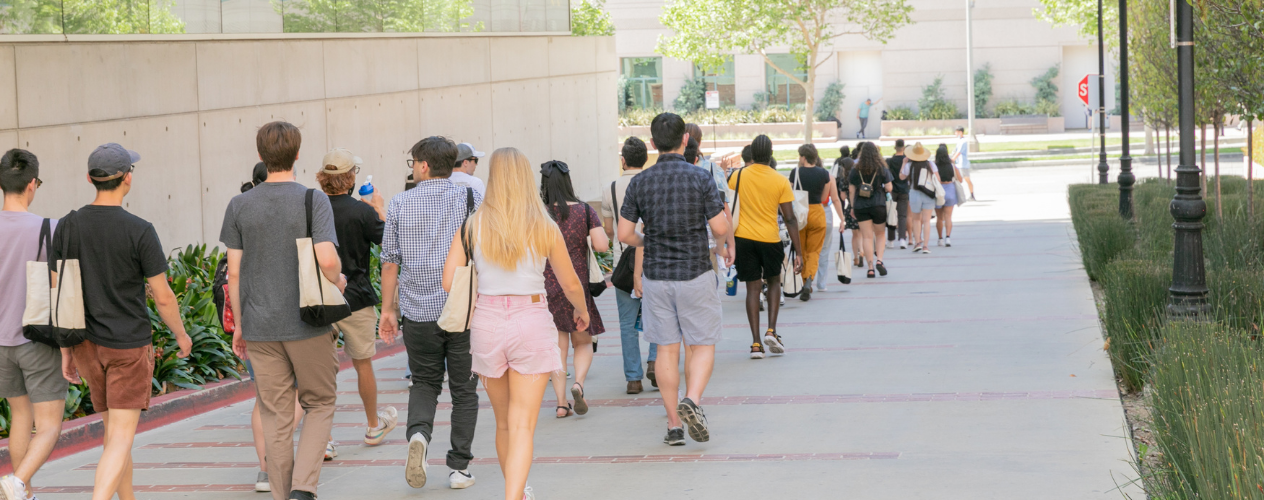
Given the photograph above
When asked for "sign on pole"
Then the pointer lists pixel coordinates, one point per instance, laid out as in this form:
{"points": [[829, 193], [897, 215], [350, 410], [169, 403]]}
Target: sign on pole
{"points": [[713, 99], [1082, 90]]}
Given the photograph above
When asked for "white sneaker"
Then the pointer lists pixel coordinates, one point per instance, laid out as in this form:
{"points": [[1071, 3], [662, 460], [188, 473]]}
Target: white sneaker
{"points": [[903, 244], [261, 482], [330, 452], [460, 479], [528, 493], [948, 241], [386, 421], [941, 242], [415, 466], [820, 285], [12, 488]]}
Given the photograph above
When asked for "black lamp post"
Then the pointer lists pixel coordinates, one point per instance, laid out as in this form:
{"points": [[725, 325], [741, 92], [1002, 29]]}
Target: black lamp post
{"points": [[1188, 295], [1103, 169], [1126, 179]]}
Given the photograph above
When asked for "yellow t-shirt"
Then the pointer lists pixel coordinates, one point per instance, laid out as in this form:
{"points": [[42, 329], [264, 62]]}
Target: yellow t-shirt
{"points": [[759, 199]]}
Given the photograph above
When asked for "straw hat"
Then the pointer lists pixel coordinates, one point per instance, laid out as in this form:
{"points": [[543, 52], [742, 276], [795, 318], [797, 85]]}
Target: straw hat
{"points": [[917, 152]]}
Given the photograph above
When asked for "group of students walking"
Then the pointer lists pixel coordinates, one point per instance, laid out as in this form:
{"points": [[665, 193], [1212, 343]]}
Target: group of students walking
{"points": [[527, 246]]}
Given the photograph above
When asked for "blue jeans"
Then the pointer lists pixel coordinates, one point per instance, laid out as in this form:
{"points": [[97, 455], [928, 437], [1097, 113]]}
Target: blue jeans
{"points": [[628, 336]]}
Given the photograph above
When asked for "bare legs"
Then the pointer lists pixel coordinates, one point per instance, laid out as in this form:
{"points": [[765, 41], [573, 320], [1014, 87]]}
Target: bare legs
{"points": [[367, 386], [114, 470], [920, 223], [29, 453], [943, 220], [753, 289], [867, 242], [699, 361], [583, 361], [515, 400]]}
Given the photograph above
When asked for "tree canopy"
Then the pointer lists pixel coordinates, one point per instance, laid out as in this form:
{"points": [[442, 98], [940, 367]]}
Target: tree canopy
{"points": [[589, 18], [103, 17], [357, 16]]}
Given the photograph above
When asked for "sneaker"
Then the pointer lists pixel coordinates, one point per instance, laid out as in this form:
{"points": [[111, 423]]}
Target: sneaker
{"points": [[675, 436], [330, 451], [460, 479], [386, 421], [806, 293], [301, 495], [820, 286], [783, 300], [757, 351], [14, 489], [972, 197], [773, 341], [903, 244], [415, 467], [948, 241], [261, 483], [528, 493], [941, 242], [693, 417]]}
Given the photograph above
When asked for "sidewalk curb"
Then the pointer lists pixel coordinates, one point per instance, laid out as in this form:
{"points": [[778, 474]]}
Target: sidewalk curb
{"points": [[85, 433], [1114, 162]]}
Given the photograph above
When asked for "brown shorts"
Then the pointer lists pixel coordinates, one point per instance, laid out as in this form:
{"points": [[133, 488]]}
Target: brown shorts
{"points": [[119, 379]]}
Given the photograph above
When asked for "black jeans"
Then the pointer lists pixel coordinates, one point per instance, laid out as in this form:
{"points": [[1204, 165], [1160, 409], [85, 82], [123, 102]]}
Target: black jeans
{"points": [[429, 348], [902, 207]]}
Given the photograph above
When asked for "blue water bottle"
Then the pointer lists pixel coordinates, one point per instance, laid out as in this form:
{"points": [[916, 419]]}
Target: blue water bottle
{"points": [[730, 278], [366, 189]]}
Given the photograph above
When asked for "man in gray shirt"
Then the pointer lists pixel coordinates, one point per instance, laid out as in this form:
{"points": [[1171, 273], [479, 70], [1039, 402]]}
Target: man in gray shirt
{"points": [[288, 355]]}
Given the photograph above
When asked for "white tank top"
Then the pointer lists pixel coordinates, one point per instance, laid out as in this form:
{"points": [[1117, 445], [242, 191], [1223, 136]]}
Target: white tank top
{"points": [[527, 279]]}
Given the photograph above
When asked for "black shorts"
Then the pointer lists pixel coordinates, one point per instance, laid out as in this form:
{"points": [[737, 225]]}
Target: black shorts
{"points": [[875, 214], [757, 260]]}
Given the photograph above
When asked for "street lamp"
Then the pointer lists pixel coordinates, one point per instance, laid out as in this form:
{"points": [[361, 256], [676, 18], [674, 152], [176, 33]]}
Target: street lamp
{"points": [[1103, 169], [974, 141], [1126, 179], [1188, 294]]}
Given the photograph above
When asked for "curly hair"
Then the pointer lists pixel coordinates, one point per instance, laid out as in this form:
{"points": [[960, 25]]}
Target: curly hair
{"points": [[870, 159], [334, 184]]}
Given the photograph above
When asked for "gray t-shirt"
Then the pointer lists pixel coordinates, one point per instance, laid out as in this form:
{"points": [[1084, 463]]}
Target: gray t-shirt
{"points": [[21, 232], [264, 223]]}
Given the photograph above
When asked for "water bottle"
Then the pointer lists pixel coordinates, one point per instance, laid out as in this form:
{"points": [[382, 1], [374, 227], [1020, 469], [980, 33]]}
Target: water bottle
{"points": [[730, 279], [638, 322], [366, 189]]}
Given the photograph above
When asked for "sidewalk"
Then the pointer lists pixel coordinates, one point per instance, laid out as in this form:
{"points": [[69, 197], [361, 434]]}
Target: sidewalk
{"points": [[975, 372]]}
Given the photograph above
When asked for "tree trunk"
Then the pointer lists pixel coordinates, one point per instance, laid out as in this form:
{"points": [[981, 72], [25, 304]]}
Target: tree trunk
{"points": [[1215, 129], [1149, 144], [808, 104]]}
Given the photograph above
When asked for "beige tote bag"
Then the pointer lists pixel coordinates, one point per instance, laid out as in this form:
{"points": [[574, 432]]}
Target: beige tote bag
{"points": [[458, 309], [800, 200], [319, 301], [54, 313]]}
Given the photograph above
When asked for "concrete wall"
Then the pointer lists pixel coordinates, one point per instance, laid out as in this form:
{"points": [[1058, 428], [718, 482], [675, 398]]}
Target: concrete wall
{"points": [[191, 109]]}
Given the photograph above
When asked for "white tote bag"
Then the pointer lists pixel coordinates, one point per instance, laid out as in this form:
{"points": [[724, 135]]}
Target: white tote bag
{"points": [[893, 214], [319, 301], [961, 192], [791, 282], [54, 313], [939, 194], [844, 266], [458, 309], [800, 200]]}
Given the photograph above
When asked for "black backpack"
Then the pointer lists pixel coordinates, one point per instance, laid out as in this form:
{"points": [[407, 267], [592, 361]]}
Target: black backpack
{"points": [[219, 289]]}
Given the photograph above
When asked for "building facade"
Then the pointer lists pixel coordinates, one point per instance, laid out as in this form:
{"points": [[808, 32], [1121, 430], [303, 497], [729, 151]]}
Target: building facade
{"points": [[1007, 35]]}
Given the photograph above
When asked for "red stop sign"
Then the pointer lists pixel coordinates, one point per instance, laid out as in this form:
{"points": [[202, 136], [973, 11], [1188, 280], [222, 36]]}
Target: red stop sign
{"points": [[1082, 89]]}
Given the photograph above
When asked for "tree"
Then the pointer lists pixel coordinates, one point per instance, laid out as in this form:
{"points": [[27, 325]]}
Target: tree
{"points": [[827, 109], [89, 17], [589, 18], [982, 89], [1152, 69], [358, 16], [708, 30], [1083, 15], [933, 105]]}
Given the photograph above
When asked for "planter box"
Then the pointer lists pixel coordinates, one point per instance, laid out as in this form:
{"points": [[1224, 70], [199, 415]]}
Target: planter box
{"points": [[983, 126], [744, 132]]}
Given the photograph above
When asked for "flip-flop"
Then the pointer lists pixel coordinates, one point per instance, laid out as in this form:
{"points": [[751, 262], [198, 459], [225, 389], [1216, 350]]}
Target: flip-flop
{"points": [[577, 392], [569, 410]]}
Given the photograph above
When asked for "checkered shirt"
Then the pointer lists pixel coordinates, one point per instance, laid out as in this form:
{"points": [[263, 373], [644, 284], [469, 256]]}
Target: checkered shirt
{"points": [[420, 223]]}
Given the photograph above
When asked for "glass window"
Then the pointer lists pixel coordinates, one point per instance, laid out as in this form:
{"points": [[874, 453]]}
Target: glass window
{"points": [[723, 80], [645, 80], [781, 89]]}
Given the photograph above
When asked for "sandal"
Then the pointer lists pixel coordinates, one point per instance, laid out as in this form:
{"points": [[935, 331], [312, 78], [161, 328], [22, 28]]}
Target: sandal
{"points": [[757, 351], [577, 392], [881, 268], [870, 274], [569, 411]]}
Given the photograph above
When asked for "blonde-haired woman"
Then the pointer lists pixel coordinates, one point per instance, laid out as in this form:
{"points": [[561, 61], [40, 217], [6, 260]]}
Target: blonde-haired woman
{"points": [[513, 341]]}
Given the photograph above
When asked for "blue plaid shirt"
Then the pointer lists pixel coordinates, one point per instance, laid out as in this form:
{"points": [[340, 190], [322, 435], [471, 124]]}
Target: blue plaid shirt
{"points": [[420, 223]]}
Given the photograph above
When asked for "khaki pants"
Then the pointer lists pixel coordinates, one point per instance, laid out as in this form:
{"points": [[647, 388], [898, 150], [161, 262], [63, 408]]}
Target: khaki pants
{"points": [[309, 367]]}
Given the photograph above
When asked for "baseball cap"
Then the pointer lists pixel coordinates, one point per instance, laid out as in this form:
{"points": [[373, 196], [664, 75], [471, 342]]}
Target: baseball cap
{"points": [[110, 161], [340, 161], [465, 151]]}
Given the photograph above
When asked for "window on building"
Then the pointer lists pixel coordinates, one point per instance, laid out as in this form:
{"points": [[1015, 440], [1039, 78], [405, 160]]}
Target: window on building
{"points": [[723, 80], [645, 80], [781, 89]]}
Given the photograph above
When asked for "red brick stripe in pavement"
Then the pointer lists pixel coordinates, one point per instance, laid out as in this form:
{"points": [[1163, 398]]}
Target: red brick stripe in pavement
{"points": [[247, 426], [1019, 319]]}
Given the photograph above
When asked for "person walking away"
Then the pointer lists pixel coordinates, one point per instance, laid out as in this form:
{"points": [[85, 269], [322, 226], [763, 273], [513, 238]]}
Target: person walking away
{"points": [[763, 194], [30, 372], [513, 338], [829, 201], [677, 203], [359, 226], [842, 172], [722, 251], [870, 182], [119, 253], [862, 114], [962, 159], [633, 160], [578, 222], [289, 356], [898, 234], [813, 178], [943, 213], [466, 163], [916, 168], [420, 225]]}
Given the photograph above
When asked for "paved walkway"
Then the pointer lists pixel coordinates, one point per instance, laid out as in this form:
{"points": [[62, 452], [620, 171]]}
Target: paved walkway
{"points": [[975, 372]]}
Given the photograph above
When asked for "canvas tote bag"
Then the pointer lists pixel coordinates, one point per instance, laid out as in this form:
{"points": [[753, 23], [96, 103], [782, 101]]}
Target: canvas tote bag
{"points": [[459, 307], [54, 315], [843, 263], [320, 303], [961, 192], [800, 199], [791, 282]]}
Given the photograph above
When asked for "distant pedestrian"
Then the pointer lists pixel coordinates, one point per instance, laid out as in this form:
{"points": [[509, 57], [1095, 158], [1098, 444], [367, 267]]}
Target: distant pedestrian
{"points": [[869, 184], [722, 251], [30, 372], [962, 159], [677, 203], [578, 222], [628, 301], [943, 213], [842, 172], [119, 254], [862, 114], [466, 163], [747, 159], [513, 339], [921, 175], [810, 176], [898, 234]]}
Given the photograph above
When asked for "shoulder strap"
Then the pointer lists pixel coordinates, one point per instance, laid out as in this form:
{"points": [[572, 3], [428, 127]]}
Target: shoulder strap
{"points": [[45, 240], [614, 200], [798, 178], [469, 201], [307, 206]]}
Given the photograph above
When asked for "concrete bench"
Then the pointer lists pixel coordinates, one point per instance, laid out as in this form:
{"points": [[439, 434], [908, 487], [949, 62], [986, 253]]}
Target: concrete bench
{"points": [[1025, 125]]}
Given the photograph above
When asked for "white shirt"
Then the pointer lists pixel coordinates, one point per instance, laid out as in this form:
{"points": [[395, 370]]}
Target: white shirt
{"points": [[464, 179], [963, 148], [526, 279]]}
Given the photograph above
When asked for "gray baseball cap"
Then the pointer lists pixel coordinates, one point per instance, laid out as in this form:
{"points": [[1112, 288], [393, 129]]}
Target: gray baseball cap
{"points": [[465, 151], [110, 161]]}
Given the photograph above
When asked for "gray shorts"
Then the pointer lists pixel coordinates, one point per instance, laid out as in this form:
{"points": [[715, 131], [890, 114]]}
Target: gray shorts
{"points": [[32, 369], [682, 310]]}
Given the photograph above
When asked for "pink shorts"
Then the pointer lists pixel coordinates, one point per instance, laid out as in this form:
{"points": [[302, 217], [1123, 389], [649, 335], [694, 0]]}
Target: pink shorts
{"points": [[513, 332]]}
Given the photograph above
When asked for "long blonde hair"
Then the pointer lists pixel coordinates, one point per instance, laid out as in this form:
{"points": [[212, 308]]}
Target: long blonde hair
{"points": [[512, 222]]}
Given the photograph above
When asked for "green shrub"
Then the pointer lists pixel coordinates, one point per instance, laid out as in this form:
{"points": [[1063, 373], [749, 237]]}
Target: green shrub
{"points": [[933, 105], [1134, 298], [901, 113], [828, 105], [982, 89], [1048, 108], [723, 116], [1101, 233], [1012, 107], [1046, 90]]}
